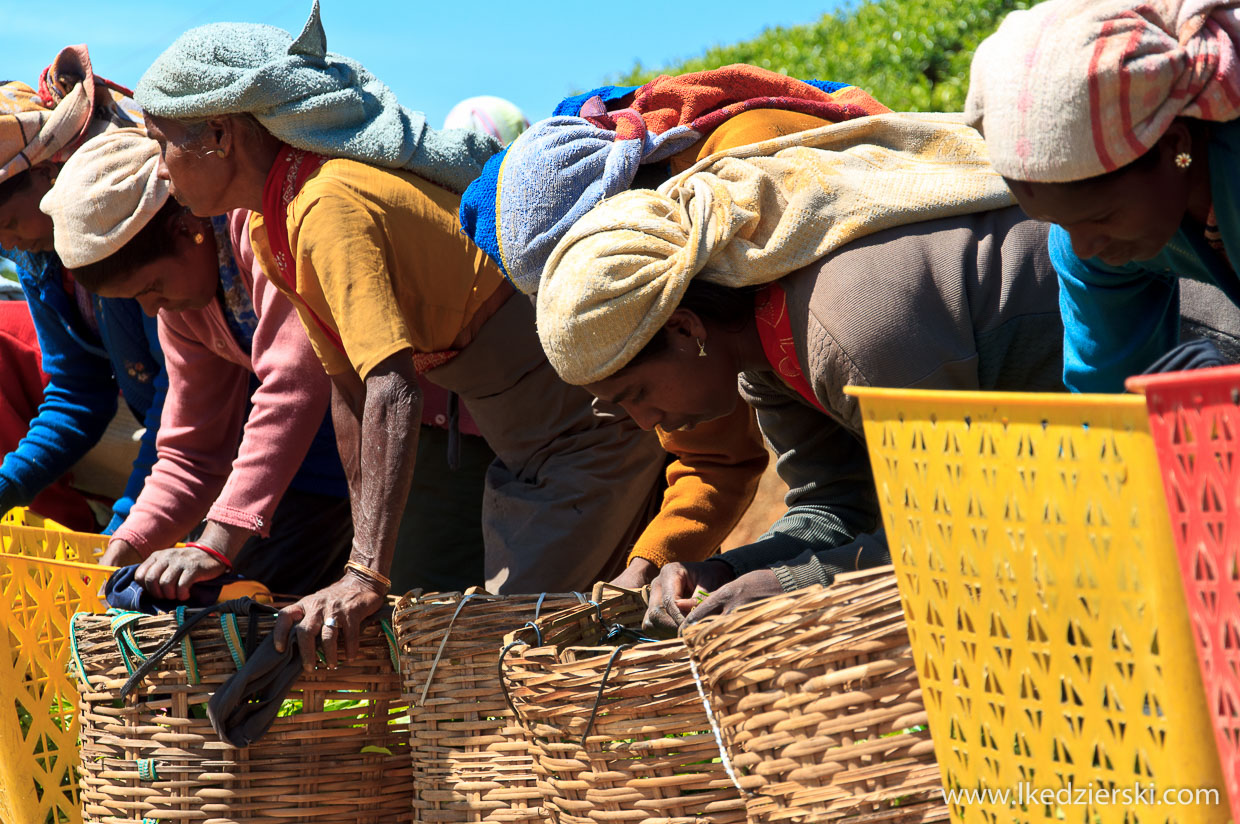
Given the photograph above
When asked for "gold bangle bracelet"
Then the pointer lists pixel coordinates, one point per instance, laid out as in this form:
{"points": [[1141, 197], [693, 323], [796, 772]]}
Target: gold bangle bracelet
{"points": [[369, 574]]}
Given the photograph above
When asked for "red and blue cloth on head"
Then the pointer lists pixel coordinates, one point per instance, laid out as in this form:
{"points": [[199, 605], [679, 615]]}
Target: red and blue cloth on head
{"points": [[592, 148]]}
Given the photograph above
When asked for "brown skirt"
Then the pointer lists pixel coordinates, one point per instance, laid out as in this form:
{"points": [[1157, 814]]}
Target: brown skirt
{"points": [[573, 483]]}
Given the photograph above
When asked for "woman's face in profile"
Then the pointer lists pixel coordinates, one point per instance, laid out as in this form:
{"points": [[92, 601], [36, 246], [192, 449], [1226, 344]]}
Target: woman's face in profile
{"points": [[673, 389], [1129, 214]]}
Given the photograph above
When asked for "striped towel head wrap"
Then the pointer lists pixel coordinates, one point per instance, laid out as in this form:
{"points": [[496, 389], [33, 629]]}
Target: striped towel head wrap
{"points": [[70, 106], [1073, 89]]}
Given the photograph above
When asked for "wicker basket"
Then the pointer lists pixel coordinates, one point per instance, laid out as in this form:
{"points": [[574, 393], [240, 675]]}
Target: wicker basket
{"points": [[619, 732], [817, 701], [471, 762], [155, 757]]}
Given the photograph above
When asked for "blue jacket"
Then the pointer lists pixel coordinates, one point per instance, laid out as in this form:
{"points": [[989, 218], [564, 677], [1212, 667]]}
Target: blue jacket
{"points": [[86, 373], [1120, 319]]}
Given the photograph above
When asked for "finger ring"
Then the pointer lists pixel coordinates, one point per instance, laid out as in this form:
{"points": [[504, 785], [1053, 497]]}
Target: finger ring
{"points": [[329, 621]]}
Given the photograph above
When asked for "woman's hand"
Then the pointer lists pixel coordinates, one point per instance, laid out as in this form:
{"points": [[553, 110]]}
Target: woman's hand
{"points": [[347, 602], [169, 573], [671, 593], [752, 586], [637, 574], [120, 553]]}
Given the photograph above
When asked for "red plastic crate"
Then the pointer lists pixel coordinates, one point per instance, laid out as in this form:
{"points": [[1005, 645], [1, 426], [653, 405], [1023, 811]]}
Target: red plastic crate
{"points": [[1195, 422]]}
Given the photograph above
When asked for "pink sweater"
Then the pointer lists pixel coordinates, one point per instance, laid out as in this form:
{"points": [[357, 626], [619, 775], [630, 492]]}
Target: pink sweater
{"points": [[204, 415]]}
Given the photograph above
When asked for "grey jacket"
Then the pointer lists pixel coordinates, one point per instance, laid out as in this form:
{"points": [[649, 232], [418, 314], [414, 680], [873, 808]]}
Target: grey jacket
{"points": [[962, 303]]}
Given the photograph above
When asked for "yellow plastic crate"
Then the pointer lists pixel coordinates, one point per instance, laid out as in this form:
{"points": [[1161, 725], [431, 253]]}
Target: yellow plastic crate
{"points": [[40, 590], [1036, 566]]}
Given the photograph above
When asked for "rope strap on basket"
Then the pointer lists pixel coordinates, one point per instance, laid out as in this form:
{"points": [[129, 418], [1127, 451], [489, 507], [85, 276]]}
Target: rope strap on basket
{"points": [[243, 606], [714, 727]]}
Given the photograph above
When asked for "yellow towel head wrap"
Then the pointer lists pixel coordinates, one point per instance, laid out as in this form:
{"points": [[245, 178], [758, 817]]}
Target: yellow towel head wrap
{"points": [[748, 216]]}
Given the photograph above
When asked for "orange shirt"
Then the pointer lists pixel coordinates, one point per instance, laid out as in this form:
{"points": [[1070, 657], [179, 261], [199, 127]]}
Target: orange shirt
{"points": [[382, 260]]}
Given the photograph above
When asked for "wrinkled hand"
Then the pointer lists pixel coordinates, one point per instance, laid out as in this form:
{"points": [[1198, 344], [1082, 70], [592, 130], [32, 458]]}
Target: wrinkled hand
{"points": [[350, 601], [169, 573], [671, 593], [120, 553], [752, 586], [637, 574]]}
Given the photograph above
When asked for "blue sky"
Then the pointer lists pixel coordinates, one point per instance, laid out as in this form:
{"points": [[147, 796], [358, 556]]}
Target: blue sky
{"points": [[431, 54]]}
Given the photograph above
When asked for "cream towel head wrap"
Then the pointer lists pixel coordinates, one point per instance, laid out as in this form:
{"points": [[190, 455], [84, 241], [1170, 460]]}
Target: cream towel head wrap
{"points": [[1073, 89], [745, 217], [105, 194]]}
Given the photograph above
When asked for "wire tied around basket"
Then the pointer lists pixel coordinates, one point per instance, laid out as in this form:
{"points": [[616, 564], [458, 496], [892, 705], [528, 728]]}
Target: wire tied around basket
{"points": [[714, 728], [470, 593]]}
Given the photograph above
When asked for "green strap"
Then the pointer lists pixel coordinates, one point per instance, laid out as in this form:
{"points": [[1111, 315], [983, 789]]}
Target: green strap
{"points": [[73, 648], [147, 770], [122, 624], [232, 637], [187, 651], [391, 642]]}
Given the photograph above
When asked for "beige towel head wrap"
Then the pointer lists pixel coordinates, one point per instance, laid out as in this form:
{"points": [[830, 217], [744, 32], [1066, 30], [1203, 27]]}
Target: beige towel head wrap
{"points": [[748, 216], [105, 194]]}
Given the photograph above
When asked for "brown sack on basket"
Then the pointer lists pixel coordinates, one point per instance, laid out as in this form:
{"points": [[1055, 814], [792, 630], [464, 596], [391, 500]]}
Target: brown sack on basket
{"points": [[816, 699]]}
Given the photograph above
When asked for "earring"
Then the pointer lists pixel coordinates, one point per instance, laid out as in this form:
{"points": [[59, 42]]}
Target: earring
{"points": [[701, 348], [199, 238], [1183, 160]]}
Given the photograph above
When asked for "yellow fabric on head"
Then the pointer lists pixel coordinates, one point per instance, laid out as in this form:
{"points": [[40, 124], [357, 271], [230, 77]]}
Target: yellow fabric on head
{"points": [[382, 260], [749, 216], [746, 129]]}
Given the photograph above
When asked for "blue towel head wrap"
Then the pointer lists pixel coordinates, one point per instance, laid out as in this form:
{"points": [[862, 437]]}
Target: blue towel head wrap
{"points": [[306, 96], [554, 173]]}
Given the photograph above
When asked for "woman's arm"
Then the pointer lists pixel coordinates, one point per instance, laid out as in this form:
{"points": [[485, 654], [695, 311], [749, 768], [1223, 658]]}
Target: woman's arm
{"points": [[710, 484], [78, 403], [379, 482], [201, 423], [831, 502]]}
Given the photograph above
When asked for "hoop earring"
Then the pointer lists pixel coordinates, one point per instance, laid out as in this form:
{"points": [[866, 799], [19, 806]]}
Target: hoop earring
{"points": [[1183, 160], [701, 348]]}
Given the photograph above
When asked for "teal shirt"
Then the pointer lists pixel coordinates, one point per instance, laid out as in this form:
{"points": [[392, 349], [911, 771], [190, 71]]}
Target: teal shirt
{"points": [[1120, 319]]}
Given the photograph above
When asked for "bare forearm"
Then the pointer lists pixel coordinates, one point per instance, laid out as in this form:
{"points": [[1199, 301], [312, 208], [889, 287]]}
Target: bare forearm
{"points": [[346, 420], [389, 440], [225, 538]]}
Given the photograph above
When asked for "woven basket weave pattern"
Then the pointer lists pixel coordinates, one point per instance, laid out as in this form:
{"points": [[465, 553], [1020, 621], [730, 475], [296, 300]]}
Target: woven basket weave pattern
{"points": [[471, 762], [157, 757], [650, 757], [815, 694]]}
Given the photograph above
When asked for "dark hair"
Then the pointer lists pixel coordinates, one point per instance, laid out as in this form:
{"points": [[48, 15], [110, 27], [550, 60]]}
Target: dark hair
{"points": [[15, 185], [157, 239], [728, 307]]}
